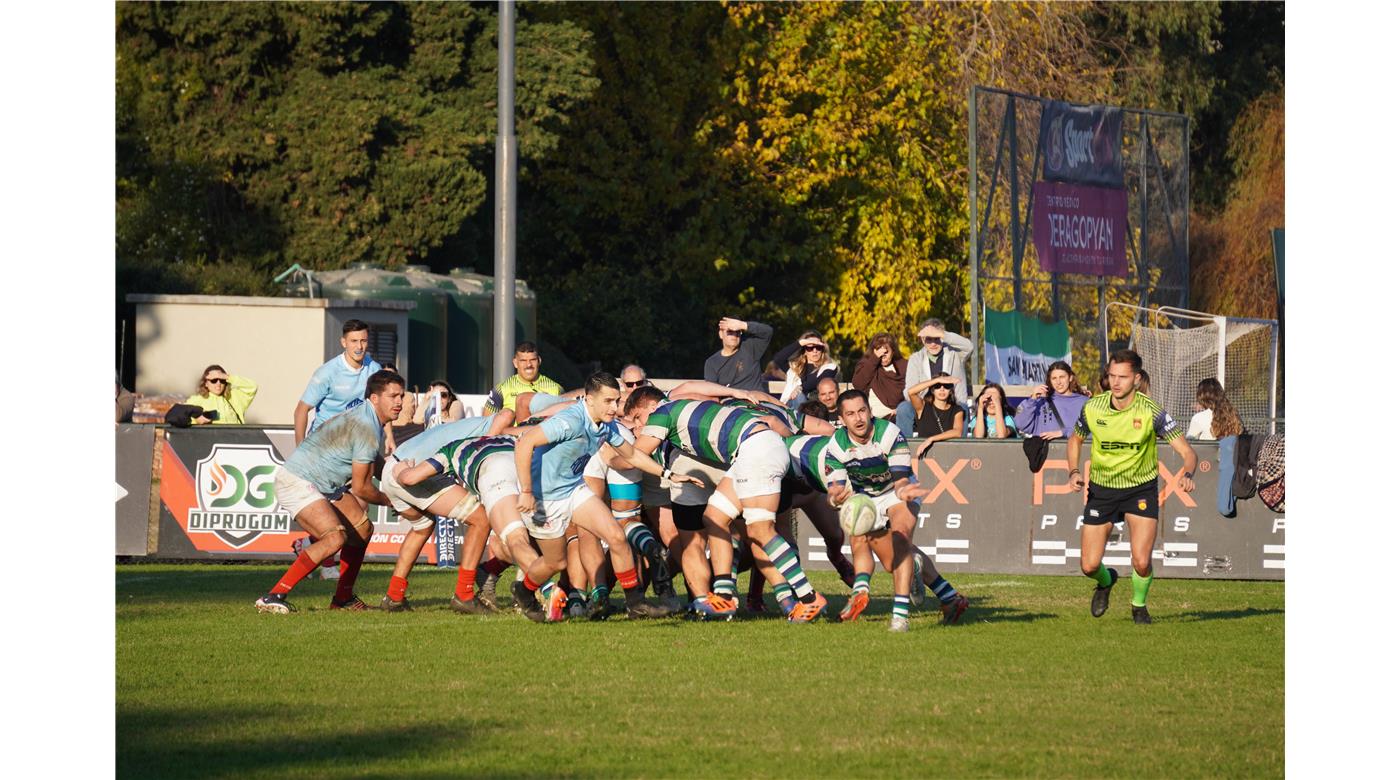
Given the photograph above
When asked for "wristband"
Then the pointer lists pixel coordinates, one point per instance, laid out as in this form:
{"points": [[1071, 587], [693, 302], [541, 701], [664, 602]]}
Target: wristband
{"points": [[1189, 475]]}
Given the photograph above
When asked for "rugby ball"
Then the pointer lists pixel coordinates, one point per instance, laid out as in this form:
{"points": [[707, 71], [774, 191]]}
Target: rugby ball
{"points": [[859, 515]]}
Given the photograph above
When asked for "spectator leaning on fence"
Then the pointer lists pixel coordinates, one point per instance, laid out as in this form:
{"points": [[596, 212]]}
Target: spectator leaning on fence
{"points": [[991, 419], [441, 406], [228, 394], [943, 351], [808, 361], [739, 361], [939, 417], [1035, 418], [880, 373], [1215, 417]]}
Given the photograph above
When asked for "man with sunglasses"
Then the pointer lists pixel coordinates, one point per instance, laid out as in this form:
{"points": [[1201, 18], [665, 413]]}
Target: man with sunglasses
{"points": [[739, 361], [943, 351]]}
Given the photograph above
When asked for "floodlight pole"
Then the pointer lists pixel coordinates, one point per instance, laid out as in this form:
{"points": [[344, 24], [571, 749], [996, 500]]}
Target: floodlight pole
{"points": [[503, 322]]}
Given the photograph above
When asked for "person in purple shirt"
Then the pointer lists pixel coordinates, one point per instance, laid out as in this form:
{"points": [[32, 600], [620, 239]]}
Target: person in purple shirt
{"points": [[1034, 416]]}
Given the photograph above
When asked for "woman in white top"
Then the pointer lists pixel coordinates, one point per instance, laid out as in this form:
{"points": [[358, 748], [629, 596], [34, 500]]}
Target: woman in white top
{"points": [[1215, 417], [808, 360]]}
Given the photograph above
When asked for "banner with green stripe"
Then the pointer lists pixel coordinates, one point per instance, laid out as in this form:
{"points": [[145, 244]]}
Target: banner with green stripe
{"points": [[1020, 349]]}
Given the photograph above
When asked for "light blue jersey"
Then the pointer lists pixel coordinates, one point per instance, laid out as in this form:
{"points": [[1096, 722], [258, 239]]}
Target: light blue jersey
{"points": [[335, 387], [427, 443], [542, 401], [557, 468], [324, 457]]}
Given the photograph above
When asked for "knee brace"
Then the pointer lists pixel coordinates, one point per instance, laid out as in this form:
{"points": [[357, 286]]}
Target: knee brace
{"points": [[723, 504], [515, 525], [759, 516], [463, 509]]}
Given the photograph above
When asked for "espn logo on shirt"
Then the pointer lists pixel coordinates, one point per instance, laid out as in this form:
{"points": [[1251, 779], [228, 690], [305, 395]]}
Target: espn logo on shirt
{"points": [[235, 493]]}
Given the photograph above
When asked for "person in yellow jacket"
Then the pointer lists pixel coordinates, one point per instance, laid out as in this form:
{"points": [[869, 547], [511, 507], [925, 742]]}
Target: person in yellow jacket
{"points": [[228, 394]]}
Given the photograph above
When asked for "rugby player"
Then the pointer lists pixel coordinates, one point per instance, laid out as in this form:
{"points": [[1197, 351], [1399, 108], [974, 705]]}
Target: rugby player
{"points": [[550, 459], [312, 486], [1125, 424], [870, 456], [755, 461], [442, 496], [338, 384]]}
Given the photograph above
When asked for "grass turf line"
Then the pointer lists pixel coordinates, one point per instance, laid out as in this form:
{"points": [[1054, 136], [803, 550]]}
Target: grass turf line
{"points": [[1028, 685]]}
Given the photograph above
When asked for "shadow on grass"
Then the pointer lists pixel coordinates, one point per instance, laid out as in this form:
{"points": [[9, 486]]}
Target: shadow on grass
{"points": [[231, 742], [1228, 614]]}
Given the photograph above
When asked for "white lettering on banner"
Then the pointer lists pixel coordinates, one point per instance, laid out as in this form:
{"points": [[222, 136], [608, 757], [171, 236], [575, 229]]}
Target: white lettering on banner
{"points": [[1182, 525], [1078, 231], [1079, 523], [378, 538], [1079, 145], [1063, 201], [954, 520], [1278, 525], [1048, 520], [923, 518]]}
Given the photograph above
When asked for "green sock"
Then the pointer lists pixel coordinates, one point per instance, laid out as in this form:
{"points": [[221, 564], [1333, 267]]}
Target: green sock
{"points": [[1140, 586], [1102, 577]]}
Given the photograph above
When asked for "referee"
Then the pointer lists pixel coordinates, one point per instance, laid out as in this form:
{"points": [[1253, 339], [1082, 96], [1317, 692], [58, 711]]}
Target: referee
{"points": [[1125, 425]]}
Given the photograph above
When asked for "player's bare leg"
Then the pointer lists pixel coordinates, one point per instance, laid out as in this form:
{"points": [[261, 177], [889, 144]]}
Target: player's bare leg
{"points": [[593, 516]]}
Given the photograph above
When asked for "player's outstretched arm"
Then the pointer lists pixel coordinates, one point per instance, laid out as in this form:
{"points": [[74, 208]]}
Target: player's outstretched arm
{"points": [[409, 473]]}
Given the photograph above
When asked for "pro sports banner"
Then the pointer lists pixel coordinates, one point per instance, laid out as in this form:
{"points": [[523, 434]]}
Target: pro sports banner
{"points": [[1082, 144], [1079, 229], [1020, 349]]}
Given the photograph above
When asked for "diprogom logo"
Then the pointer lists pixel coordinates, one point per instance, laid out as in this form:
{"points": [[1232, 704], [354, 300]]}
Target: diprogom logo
{"points": [[236, 498]]}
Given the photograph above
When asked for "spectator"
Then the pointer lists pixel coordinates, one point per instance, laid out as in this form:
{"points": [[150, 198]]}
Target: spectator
{"points": [[827, 392], [992, 419], [338, 384], [1035, 418], [441, 406], [938, 416], [943, 351], [526, 379], [808, 361], [1215, 417], [229, 395], [126, 402], [632, 377], [740, 357], [880, 373]]}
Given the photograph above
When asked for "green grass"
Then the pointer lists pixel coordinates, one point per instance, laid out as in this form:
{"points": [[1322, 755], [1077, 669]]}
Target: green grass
{"points": [[1028, 685]]}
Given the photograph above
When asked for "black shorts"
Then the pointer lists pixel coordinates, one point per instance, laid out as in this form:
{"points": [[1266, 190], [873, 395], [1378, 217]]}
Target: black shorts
{"points": [[1108, 505], [687, 517]]}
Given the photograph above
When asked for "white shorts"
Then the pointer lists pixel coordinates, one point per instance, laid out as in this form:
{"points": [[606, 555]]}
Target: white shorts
{"points": [[419, 496], [295, 494], [760, 465], [552, 515], [694, 495], [497, 479], [883, 503]]}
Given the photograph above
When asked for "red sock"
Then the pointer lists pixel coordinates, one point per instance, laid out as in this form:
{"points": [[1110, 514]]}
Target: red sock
{"points": [[495, 566], [397, 585], [530, 584], [466, 584], [627, 579], [350, 560], [297, 572]]}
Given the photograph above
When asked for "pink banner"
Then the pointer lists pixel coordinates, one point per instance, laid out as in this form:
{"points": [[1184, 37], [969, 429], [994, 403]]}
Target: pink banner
{"points": [[1080, 229]]}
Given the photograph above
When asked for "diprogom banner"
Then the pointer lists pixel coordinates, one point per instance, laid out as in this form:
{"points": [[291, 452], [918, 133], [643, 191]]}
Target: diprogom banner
{"points": [[1079, 229], [1020, 349]]}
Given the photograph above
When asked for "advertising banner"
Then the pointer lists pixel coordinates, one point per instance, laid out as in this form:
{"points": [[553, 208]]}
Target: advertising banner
{"points": [[134, 451], [987, 513], [1082, 144], [1020, 349], [217, 499], [1079, 229]]}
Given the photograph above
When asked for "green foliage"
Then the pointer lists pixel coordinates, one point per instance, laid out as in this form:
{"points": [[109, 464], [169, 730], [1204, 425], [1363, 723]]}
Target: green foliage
{"points": [[207, 687]]}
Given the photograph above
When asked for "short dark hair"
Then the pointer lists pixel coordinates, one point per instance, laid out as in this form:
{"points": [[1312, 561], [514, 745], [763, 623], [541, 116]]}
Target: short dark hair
{"points": [[352, 325], [380, 380], [1127, 356], [526, 347], [848, 395], [599, 380], [813, 409], [642, 395]]}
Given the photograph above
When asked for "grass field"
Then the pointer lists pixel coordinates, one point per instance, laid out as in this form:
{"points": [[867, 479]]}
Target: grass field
{"points": [[1028, 685]]}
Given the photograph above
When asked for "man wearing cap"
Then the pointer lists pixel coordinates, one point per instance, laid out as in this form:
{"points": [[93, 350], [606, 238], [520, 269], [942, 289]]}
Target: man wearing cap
{"points": [[943, 351]]}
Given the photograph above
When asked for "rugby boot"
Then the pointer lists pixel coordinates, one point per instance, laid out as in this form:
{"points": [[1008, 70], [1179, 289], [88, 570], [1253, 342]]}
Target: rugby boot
{"points": [[389, 605], [488, 589], [953, 610], [1140, 616], [715, 607], [854, 606], [787, 604], [526, 602], [1099, 604], [642, 609], [275, 603], [471, 606], [899, 625], [916, 592], [554, 606], [576, 608], [353, 604], [599, 609], [806, 613]]}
